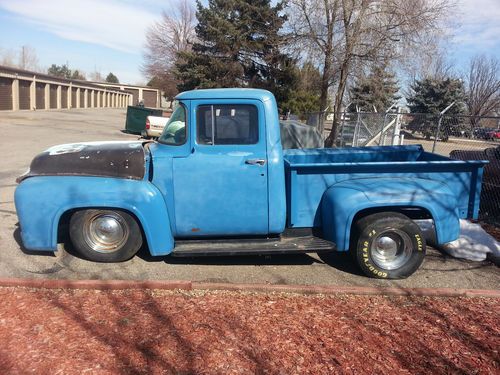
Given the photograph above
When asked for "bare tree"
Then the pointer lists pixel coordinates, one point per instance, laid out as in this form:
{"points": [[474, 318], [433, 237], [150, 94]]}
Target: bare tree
{"points": [[25, 58], [8, 57], [350, 33], [96, 76], [483, 87], [174, 33], [28, 59]]}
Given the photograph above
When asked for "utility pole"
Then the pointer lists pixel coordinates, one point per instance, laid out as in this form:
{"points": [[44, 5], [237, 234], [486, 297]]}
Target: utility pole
{"points": [[23, 58]]}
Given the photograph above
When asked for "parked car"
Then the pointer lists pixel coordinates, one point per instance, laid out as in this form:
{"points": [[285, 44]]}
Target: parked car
{"points": [[154, 126], [218, 182], [493, 134], [482, 133]]}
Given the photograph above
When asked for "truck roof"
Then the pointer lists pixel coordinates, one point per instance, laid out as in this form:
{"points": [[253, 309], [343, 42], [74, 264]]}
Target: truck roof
{"points": [[231, 93]]}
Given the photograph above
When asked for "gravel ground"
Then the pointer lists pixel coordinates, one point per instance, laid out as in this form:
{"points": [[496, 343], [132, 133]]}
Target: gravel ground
{"points": [[24, 134], [173, 332]]}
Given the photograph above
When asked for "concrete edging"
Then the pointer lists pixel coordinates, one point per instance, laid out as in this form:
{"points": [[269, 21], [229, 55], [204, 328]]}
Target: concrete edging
{"points": [[267, 288]]}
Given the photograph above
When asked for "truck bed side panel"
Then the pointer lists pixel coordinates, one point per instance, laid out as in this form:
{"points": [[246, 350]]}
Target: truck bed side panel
{"points": [[311, 172]]}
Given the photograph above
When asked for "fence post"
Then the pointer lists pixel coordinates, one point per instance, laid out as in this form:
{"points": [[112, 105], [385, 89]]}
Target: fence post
{"points": [[397, 130], [439, 125], [383, 123], [355, 136]]}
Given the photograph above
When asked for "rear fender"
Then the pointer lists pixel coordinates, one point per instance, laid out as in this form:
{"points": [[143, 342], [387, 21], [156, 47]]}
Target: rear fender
{"points": [[41, 201], [341, 202]]}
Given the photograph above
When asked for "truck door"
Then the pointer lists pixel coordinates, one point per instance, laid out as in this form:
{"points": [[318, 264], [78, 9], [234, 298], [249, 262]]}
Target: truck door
{"points": [[221, 187]]}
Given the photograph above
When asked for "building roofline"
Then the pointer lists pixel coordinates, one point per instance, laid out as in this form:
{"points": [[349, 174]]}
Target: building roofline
{"points": [[48, 77]]}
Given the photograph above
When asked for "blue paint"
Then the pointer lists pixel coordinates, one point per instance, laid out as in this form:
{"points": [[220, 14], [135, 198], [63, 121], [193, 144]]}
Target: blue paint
{"points": [[342, 201], [390, 172], [194, 190], [41, 201]]}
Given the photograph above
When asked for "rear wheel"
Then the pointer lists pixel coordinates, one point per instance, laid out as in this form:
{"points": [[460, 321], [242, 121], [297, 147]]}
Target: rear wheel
{"points": [[388, 245], [105, 235]]}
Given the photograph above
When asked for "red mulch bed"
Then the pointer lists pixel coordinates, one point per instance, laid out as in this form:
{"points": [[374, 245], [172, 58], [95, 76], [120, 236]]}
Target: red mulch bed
{"points": [[152, 332]]}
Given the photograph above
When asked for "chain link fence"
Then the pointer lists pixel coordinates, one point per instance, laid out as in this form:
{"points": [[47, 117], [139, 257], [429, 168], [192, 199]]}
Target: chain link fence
{"points": [[458, 137]]}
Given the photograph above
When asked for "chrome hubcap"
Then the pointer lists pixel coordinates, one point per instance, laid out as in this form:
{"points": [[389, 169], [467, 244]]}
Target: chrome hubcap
{"points": [[391, 249], [105, 233]]}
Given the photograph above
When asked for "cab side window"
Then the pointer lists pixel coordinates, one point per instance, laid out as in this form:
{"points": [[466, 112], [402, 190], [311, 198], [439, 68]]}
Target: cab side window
{"points": [[227, 124]]}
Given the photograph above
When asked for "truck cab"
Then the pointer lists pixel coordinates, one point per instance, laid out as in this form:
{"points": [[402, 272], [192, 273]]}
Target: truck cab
{"points": [[218, 182], [226, 163]]}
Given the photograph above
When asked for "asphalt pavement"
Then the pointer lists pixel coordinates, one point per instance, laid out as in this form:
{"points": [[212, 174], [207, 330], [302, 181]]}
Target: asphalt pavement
{"points": [[23, 134]]}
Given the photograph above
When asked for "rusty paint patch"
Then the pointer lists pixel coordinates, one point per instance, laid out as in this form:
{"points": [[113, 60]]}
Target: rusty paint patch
{"points": [[112, 159]]}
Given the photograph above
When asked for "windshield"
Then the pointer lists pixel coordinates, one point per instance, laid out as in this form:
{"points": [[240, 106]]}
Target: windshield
{"points": [[175, 130]]}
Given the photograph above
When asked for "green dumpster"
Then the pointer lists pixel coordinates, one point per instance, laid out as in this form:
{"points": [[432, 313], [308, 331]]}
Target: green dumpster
{"points": [[136, 118]]}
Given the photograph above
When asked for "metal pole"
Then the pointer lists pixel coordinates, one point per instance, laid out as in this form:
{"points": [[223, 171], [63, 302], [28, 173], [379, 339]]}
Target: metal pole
{"points": [[356, 129], [383, 123], [397, 130], [439, 125]]}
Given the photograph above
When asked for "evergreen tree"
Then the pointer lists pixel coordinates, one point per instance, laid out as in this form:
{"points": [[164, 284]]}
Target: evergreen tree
{"points": [[432, 95], [64, 72], [238, 45], [377, 91], [59, 71], [305, 99], [111, 78]]}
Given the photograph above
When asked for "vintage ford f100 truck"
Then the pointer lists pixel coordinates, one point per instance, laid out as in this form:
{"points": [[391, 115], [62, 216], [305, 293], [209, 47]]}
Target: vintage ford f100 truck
{"points": [[218, 182]]}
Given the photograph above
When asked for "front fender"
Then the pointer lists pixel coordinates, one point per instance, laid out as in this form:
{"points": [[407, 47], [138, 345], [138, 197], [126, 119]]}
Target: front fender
{"points": [[41, 201], [341, 202]]}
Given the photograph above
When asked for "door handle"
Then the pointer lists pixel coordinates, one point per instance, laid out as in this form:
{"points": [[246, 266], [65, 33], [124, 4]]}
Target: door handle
{"points": [[255, 161]]}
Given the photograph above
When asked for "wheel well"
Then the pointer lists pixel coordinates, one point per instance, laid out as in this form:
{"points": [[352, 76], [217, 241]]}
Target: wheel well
{"points": [[63, 225], [414, 213]]}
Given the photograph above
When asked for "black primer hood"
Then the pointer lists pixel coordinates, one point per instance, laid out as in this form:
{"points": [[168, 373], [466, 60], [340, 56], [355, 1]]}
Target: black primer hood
{"points": [[106, 159]]}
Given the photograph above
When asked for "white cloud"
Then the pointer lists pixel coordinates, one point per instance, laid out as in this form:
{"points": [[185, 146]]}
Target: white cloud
{"points": [[114, 24], [479, 23]]}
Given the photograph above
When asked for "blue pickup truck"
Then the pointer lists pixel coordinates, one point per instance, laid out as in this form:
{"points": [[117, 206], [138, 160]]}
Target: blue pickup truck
{"points": [[218, 182]]}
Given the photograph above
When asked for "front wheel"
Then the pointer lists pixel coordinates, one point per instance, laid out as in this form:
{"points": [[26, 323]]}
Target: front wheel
{"points": [[105, 235], [388, 245]]}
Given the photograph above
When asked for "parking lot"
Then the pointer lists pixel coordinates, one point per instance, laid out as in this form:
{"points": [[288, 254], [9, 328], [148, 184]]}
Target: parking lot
{"points": [[24, 134]]}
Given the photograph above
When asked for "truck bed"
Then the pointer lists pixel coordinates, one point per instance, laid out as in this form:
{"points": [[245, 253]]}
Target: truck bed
{"points": [[310, 172]]}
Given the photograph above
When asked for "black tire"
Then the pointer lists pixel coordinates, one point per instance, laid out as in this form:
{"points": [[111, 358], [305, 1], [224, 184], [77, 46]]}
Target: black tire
{"points": [[388, 245], [105, 235]]}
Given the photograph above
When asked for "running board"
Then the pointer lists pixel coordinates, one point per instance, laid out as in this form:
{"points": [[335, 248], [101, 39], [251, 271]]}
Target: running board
{"points": [[283, 245]]}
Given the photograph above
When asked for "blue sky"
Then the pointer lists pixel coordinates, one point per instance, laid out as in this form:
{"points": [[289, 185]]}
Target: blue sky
{"points": [[108, 35]]}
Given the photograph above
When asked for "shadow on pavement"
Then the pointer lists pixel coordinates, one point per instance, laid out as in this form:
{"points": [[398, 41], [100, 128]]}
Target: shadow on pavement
{"points": [[342, 261]]}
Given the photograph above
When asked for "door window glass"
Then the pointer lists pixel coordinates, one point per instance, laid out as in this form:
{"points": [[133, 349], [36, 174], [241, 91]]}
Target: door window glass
{"points": [[227, 124], [175, 129]]}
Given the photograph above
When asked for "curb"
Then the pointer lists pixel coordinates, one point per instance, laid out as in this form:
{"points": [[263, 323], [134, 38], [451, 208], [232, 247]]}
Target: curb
{"points": [[266, 288], [95, 284]]}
